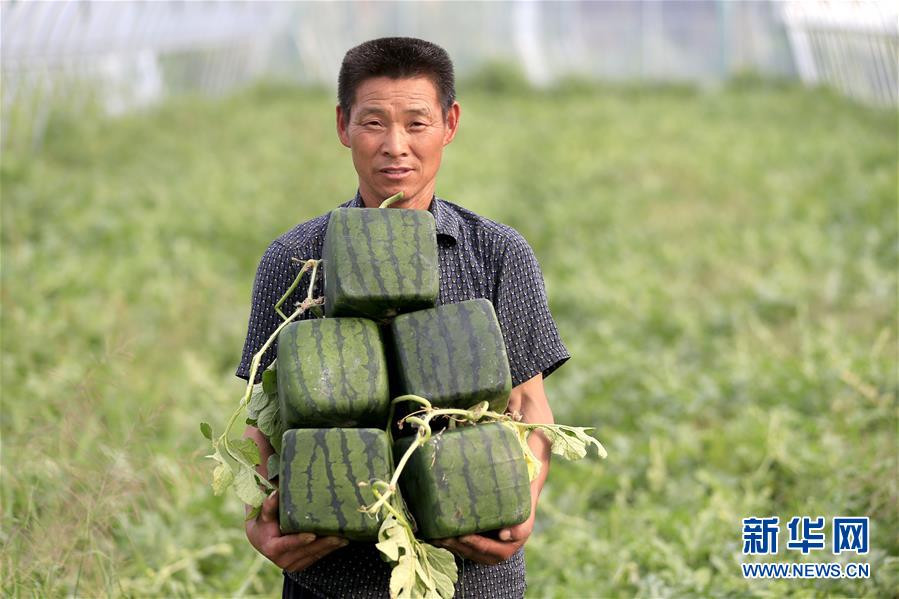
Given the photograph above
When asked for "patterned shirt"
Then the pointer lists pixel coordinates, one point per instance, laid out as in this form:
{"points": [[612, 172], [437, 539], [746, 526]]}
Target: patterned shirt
{"points": [[478, 258]]}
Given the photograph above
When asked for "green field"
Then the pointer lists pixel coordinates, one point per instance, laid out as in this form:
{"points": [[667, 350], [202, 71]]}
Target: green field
{"points": [[722, 266]]}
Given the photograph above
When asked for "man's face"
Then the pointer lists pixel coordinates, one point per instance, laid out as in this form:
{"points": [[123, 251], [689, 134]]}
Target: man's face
{"points": [[396, 131]]}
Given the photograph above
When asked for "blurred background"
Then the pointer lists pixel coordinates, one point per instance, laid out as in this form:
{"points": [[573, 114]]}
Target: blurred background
{"points": [[710, 188]]}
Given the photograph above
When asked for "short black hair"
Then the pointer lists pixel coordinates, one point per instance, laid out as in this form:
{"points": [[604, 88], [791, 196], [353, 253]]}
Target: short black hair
{"points": [[396, 58]]}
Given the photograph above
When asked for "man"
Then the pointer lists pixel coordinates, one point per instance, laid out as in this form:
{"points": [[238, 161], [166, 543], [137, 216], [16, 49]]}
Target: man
{"points": [[396, 112]]}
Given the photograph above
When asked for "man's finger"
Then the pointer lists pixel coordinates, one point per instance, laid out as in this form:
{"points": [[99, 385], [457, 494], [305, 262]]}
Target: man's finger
{"points": [[456, 548], [484, 545], [269, 511], [314, 551], [287, 544], [519, 532], [477, 554]]}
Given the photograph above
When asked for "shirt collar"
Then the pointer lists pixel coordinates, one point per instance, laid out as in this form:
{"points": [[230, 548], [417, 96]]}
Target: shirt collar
{"points": [[446, 218]]}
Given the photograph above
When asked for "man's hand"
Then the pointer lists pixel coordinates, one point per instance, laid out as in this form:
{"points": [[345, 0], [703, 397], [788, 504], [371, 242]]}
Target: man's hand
{"points": [[293, 552], [485, 550]]}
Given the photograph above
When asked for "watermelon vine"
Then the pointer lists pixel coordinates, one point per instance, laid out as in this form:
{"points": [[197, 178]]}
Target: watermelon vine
{"points": [[237, 458]]}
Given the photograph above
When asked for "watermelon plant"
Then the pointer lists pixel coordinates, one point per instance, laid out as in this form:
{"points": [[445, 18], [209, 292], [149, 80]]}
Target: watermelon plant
{"points": [[236, 459], [419, 569]]}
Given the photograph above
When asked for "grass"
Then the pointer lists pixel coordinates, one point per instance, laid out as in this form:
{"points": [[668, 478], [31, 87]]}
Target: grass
{"points": [[721, 265]]}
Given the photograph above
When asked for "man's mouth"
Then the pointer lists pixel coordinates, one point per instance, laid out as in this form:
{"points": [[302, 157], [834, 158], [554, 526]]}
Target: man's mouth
{"points": [[396, 173]]}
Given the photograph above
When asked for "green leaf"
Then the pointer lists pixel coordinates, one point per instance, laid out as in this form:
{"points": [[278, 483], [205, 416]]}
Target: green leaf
{"points": [[273, 466], [247, 449], [570, 442], [276, 438], [258, 401], [442, 566], [269, 419], [206, 429], [270, 380], [403, 579], [419, 570], [246, 488], [222, 477], [393, 538], [270, 425]]}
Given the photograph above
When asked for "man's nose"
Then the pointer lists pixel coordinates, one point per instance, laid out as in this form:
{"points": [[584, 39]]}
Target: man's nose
{"points": [[395, 142]]}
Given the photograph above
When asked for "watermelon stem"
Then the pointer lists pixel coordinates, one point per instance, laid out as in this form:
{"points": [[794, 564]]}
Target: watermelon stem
{"points": [[394, 198], [293, 286], [401, 518]]}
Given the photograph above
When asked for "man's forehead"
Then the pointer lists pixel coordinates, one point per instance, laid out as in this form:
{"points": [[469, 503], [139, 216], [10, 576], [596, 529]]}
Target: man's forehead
{"points": [[410, 95], [379, 108]]}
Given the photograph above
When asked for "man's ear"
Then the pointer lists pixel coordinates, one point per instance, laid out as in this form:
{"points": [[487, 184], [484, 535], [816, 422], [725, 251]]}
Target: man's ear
{"points": [[452, 122], [342, 124]]}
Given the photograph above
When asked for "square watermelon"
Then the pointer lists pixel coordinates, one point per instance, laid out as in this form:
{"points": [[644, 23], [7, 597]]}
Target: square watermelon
{"points": [[319, 476], [332, 372], [380, 262], [453, 355], [471, 479]]}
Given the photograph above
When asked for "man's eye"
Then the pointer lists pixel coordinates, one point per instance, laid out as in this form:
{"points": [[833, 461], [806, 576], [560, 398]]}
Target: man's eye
{"points": [[371, 124], [418, 125]]}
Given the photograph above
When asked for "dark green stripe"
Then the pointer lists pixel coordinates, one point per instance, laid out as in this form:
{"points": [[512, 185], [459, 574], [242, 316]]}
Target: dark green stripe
{"points": [[439, 475], [475, 349], [351, 478], [416, 235], [513, 451], [367, 219], [341, 373], [323, 374], [299, 377], [370, 440], [388, 218], [424, 332], [488, 450], [373, 363], [466, 475], [288, 450], [336, 503], [456, 383], [492, 325], [348, 253], [310, 481]]}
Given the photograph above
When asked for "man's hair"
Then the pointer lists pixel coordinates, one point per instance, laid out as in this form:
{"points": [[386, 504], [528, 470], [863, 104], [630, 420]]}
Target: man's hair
{"points": [[396, 58]]}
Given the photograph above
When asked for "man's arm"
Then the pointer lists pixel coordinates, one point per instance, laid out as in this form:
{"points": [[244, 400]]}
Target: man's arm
{"points": [[293, 552], [528, 399]]}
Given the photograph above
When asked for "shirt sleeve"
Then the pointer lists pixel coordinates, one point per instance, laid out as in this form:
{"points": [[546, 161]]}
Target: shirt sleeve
{"points": [[529, 331], [273, 277]]}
